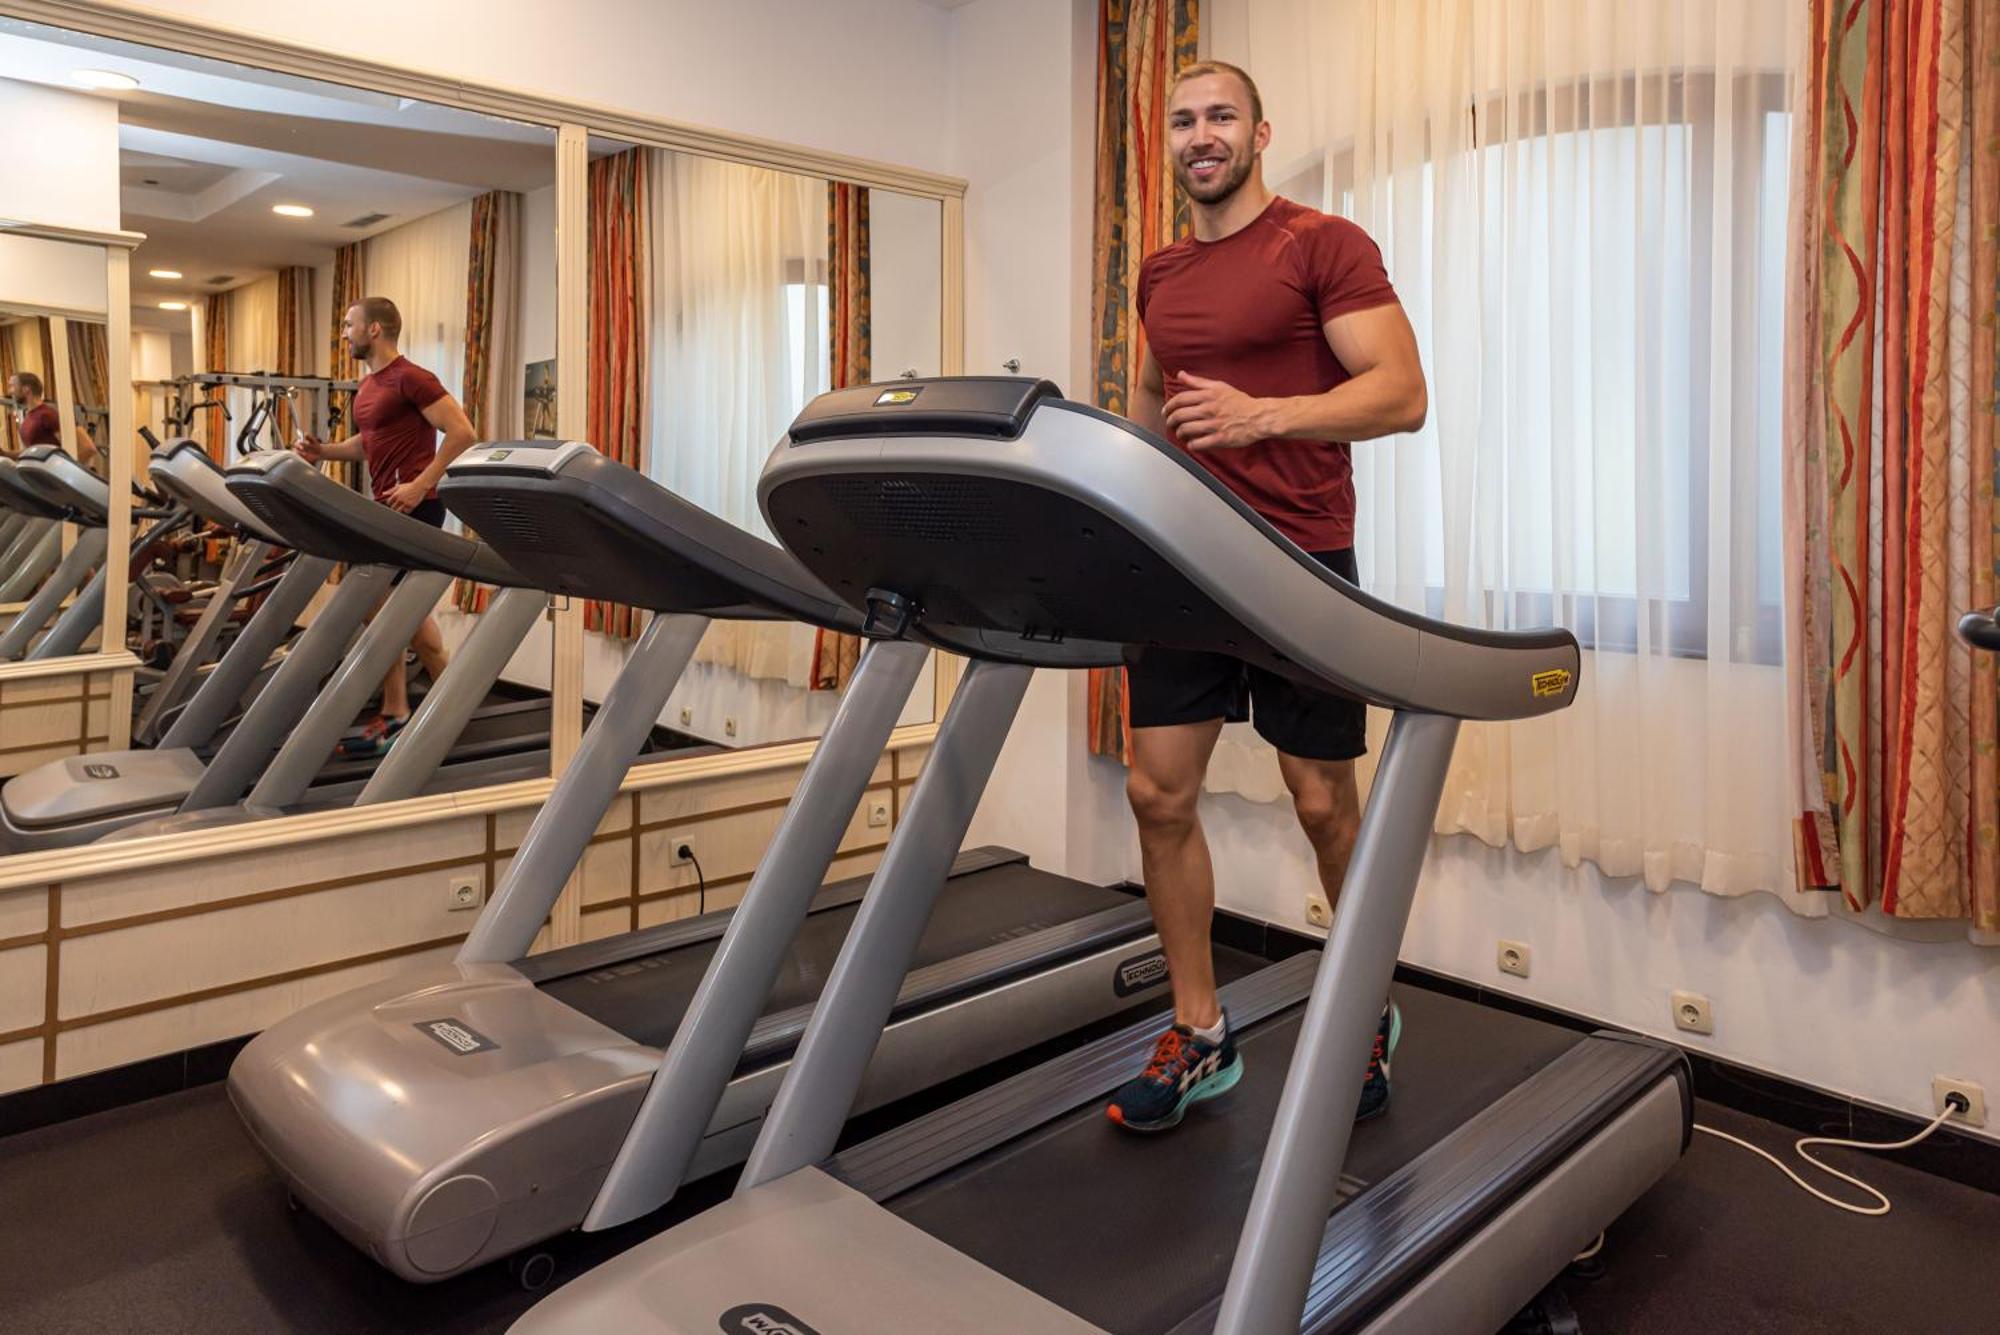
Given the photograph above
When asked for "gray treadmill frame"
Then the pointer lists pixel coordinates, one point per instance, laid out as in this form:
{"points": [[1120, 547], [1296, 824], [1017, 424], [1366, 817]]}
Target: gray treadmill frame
{"points": [[30, 556], [71, 574]]}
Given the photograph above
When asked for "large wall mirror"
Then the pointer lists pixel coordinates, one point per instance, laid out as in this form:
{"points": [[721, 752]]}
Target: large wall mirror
{"points": [[323, 268], [734, 295]]}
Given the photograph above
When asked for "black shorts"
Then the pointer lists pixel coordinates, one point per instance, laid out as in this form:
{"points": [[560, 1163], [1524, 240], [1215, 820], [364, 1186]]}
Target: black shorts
{"points": [[1175, 686], [431, 511]]}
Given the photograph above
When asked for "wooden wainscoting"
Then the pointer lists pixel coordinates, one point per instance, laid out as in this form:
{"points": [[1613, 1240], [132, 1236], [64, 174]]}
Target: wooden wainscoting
{"points": [[46, 716], [111, 968]]}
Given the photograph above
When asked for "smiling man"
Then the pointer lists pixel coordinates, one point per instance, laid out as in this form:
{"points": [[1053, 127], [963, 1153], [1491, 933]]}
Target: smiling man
{"points": [[1274, 339]]}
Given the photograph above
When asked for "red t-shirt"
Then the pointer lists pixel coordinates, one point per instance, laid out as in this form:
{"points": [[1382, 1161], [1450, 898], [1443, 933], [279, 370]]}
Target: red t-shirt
{"points": [[1250, 310], [41, 425], [389, 413]]}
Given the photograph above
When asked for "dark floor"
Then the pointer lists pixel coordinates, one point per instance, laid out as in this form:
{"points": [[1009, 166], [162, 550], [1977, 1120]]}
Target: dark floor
{"points": [[160, 1217]]}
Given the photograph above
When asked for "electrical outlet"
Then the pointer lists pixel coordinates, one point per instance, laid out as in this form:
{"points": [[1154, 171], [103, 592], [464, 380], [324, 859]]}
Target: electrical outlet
{"points": [[464, 893], [728, 727], [1514, 958], [1318, 912], [1692, 1013], [878, 812], [1943, 1085], [675, 843], [687, 715]]}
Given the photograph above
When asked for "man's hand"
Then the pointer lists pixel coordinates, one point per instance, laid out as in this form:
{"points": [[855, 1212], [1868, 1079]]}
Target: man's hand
{"points": [[310, 448], [1212, 415], [407, 496]]}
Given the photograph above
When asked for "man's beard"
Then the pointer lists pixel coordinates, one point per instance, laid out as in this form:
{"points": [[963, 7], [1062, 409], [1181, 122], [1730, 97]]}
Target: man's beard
{"points": [[1219, 189], [359, 349]]}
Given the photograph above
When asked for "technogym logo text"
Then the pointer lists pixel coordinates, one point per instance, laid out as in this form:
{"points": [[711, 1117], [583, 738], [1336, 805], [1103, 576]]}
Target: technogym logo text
{"points": [[1140, 972], [763, 1319], [458, 1036]]}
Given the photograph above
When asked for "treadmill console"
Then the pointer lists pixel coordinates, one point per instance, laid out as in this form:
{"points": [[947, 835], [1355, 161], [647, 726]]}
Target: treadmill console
{"points": [[519, 456], [994, 406]]}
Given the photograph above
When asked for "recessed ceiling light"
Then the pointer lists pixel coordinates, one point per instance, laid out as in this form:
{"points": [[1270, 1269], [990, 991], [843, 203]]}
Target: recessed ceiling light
{"points": [[109, 81], [291, 210], [163, 273], [173, 305]]}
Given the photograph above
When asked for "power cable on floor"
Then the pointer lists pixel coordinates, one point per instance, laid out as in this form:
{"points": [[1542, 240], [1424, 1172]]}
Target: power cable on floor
{"points": [[1953, 1103]]}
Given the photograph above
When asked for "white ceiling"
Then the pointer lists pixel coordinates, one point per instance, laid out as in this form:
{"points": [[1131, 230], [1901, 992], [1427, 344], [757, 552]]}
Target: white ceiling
{"points": [[224, 143]]}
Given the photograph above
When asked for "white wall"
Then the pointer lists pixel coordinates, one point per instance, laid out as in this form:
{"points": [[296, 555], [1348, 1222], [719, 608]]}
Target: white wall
{"points": [[62, 159], [866, 77]]}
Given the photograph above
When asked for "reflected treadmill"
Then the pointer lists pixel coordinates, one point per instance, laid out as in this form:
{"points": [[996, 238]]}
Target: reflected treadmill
{"points": [[47, 481], [461, 1112], [30, 535], [993, 510]]}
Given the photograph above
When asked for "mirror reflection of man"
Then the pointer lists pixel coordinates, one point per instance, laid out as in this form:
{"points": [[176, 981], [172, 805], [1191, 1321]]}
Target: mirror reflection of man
{"points": [[40, 422], [399, 412]]}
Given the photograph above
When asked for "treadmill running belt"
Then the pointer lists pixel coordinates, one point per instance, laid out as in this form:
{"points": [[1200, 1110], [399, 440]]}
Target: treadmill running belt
{"points": [[645, 998], [1089, 1197]]}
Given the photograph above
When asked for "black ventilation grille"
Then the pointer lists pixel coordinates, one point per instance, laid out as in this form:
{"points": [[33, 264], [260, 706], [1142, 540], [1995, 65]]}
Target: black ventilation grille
{"points": [[366, 220], [929, 509], [507, 523]]}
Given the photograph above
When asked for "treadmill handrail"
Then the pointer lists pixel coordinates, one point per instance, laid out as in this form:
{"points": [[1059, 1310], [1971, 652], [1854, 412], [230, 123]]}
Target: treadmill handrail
{"points": [[313, 513], [182, 469], [59, 479], [18, 496], [1300, 617]]}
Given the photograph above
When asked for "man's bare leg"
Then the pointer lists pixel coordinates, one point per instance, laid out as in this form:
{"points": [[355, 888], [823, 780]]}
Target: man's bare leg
{"points": [[1164, 788], [1328, 804]]}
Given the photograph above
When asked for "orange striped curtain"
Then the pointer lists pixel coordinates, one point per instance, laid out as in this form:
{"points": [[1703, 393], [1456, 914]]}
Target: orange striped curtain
{"points": [[494, 216], [616, 412], [350, 279], [294, 331], [215, 356], [1892, 391], [849, 337], [89, 364], [10, 433], [1140, 44]]}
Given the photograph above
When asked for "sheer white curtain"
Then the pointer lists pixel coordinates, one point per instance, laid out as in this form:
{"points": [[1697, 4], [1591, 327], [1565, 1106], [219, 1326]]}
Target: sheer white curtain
{"points": [[1582, 206], [738, 347], [421, 266], [253, 345]]}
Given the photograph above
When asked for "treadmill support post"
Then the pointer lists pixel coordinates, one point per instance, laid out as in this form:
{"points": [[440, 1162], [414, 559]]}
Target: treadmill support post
{"points": [[380, 651], [1299, 1180], [554, 844], [278, 706], [825, 1077], [654, 1156], [198, 647], [452, 699], [69, 576], [78, 620], [219, 693]]}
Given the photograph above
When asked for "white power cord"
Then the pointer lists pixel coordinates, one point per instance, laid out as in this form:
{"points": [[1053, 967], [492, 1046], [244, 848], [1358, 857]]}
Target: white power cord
{"points": [[1953, 1103]]}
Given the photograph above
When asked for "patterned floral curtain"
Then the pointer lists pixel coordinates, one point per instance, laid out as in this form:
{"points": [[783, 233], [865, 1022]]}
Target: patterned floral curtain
{"points": [[849, 356], [350, 280], [492, 270], [616, 414], [1892, 390], [294, 335], [89, 364], [1140, 45], [215, 357]]}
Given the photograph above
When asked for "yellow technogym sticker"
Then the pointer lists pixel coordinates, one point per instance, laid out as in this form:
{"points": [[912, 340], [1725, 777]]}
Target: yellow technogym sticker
{"points": [[1553, 682], [890, 398]]}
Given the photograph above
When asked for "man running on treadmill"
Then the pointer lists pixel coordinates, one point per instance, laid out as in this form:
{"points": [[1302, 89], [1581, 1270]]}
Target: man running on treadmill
{"points": [[1273, 340], [41, 423], [398, 412]]}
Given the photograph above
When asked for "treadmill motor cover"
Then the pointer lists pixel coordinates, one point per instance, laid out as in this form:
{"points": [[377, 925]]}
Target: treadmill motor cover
{"points": [[83, 788]]}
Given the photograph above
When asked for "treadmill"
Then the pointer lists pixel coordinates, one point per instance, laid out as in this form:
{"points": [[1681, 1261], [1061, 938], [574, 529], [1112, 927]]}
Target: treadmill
{"points": [[30, 536], [457, 737], [993, 509], [464, 1111], [181, 470], [70, 493]]}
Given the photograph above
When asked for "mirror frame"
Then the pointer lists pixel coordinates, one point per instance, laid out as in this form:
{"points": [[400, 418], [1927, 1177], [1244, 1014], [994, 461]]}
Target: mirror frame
{"points": [[574, 123], [117, 248]]}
